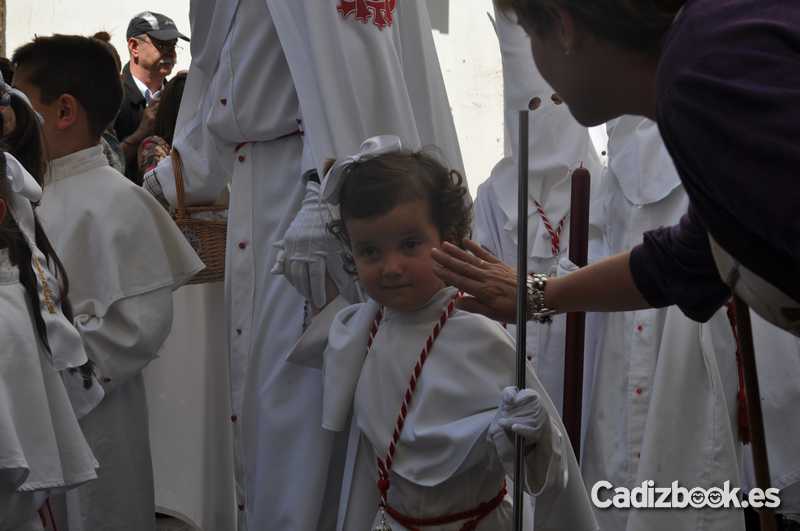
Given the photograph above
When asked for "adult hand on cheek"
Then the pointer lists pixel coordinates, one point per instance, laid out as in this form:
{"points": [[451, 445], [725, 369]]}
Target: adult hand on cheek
{"points": [[489, 284]]}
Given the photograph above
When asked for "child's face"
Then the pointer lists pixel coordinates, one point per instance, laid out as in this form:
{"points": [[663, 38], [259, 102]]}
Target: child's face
{"points": [[392, 254]]}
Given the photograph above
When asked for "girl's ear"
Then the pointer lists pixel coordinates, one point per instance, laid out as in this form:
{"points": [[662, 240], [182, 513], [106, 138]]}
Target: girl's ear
{"points": [[2, 211]]}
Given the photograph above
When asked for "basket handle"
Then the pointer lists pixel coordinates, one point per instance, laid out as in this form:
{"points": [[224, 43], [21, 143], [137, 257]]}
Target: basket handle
{"points": [[177, 168]]}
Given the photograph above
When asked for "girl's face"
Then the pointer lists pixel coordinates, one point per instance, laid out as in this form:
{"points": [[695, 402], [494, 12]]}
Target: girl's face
{"points": [[392, 253]]}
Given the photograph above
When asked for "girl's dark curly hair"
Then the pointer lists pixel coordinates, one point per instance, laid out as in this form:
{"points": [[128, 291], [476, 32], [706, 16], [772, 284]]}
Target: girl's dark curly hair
{"points": [[374, 186]]}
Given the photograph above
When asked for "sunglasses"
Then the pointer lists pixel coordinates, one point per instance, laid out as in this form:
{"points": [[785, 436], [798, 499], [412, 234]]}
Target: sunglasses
{"points": [[161, 46]]}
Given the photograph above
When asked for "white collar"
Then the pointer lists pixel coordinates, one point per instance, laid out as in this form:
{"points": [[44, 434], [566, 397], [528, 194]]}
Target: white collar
{"points": [[639, 161], [429, 311], [76, 163], [147, 94]]}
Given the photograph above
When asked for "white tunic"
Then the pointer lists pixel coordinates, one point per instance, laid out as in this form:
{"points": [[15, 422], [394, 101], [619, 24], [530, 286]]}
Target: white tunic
{"points": [[123, 255], [663, 404], [778, 364], [42, 448], [444, 462], [257, 67], [557, 146]]}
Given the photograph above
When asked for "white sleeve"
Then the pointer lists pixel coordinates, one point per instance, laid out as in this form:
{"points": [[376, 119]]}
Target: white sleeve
{"points": [[127, 337], [546, 460], [485, 228]]}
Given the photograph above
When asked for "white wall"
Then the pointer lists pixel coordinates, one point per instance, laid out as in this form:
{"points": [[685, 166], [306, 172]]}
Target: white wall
{"points": [[470, 58], [464, 37], [26, 18]]}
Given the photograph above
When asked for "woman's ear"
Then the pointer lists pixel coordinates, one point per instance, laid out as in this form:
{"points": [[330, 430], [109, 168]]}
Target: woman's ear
{"points": [[566, 30]]}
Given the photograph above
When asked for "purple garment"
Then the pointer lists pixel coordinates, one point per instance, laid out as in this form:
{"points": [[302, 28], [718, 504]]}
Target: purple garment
{"points": [[728, 108]]}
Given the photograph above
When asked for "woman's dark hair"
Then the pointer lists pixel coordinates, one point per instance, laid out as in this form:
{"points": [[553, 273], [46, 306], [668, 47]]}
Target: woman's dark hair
{"points": [[631, 24], [374, 186], [19, 253], [25, 142], [168, 106]]}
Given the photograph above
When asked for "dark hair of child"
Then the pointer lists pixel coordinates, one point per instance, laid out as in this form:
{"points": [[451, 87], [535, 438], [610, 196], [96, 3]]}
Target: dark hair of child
{"points": [[80, 66], [168, 106], [19, 253], [375, 186], [105, 38], [25, 142]]}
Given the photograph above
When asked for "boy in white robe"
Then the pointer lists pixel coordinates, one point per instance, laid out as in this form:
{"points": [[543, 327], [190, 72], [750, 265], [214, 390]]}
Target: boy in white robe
{"points": [[124, 256], [439, 423]]}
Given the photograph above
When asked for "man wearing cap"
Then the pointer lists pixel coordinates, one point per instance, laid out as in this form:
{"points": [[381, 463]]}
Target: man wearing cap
{"points": [[152, 38]]}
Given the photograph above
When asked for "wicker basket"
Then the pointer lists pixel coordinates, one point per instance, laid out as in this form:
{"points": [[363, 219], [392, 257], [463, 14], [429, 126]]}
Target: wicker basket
{"points": [[207, 237]]}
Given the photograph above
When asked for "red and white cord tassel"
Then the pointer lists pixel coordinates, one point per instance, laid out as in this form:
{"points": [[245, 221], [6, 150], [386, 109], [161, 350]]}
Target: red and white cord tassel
{"points": [[555, 233], [385, 464]]}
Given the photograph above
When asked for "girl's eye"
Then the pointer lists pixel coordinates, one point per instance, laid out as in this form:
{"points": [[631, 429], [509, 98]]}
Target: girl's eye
{"points": [[366, 252], [411, 244]]}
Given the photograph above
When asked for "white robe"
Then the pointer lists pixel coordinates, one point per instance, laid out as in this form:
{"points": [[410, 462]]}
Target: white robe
{"points": [[239, 105], [188, 397], [444, 462], [123, 255], [557, 146], [778, 365], [42, 449], [663, 404]]}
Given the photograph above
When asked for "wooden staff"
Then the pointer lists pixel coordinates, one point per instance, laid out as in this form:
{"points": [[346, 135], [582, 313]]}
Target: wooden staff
{"points": [[744, 333], [46, 516], [576, 321], [522, 304]]}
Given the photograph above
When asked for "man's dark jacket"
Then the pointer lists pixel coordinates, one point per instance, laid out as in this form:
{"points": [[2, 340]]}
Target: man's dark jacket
{"points": [[130, 114]]}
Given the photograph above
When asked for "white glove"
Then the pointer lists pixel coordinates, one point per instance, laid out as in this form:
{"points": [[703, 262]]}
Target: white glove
{"points": [[520, 412], [308, 251]]}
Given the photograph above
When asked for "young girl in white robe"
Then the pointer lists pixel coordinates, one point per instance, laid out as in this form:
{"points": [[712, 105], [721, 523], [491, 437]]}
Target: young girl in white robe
{"points": [[428, 385], [42, 449]]}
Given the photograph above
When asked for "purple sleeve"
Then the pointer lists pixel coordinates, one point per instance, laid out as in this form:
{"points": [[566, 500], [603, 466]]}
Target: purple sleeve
{"points": [[674, 265]]}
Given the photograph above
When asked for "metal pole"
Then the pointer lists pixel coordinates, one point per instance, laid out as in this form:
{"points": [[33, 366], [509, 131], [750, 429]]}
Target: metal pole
{"points": [[744, 334], [522, 274], [576, 321]]}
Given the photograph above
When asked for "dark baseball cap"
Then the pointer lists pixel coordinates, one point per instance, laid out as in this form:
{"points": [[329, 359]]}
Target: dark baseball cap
{"points": [[158, 26]]}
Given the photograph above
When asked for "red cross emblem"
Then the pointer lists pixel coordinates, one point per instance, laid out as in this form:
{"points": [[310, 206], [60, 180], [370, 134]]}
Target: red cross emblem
{"points": [[380, 11]]}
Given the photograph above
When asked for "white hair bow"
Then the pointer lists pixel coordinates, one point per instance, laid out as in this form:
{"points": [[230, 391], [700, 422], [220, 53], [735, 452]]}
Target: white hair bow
{"points": [[370, 148], [21, 181]]}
